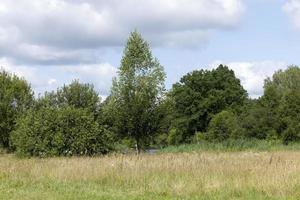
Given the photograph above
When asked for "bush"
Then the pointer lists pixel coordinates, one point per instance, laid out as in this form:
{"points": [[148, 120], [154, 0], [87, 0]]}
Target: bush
{"points": [[161, 140], [65, 131], [260, 122], [198, 137], [174, 136], [223, 126], [292, 133]]}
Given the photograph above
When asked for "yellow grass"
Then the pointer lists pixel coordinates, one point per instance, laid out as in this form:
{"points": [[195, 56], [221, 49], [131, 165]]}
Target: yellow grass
{"points": [[241, 175]]}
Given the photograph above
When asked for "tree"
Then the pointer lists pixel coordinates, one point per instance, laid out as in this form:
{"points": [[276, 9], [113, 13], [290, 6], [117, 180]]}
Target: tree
{"points": [[15, 98], [281, 98], [201, 94], [76, 94], [223, 126], [137, 91], [283, 82], [289, 113]]}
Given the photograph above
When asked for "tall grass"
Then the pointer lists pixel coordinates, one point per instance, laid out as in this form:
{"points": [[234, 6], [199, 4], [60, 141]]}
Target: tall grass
{"points": [[232, 145], [202, 175]]}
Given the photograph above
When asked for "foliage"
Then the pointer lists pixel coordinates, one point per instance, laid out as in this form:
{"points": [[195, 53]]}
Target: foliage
{"points": [[223, 126], [259, 121], [136, 92], [63, 122], [15, 98], [282, 100], [76, 94], [201, 94], [174, 136], [51, 131]]}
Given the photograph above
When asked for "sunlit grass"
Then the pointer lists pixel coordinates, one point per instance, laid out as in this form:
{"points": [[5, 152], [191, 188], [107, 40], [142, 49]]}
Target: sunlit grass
{"points": [[240, 175]]}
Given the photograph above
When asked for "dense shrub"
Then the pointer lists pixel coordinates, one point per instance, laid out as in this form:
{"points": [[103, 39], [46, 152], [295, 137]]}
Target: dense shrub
{"points": [[291, 133], [259, 122], [174, 136], [223, 126], [65, 131]]}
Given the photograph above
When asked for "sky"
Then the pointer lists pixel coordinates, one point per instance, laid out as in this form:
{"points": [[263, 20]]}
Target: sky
{"points": [[52, 42]]}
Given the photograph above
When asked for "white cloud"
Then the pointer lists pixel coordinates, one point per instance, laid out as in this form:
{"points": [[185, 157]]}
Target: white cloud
{"points": [[53, 31], [21, 71], [51, 42], [99, 74], [253, 74], [49, 78], [52, 81], [292, 9]]}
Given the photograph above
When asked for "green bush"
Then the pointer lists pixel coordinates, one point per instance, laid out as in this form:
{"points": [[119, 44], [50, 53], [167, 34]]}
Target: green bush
{"points": [[59, 131], [198, 137], [223, 126], [174, 136], [161, 140], [292, 133], [259, 122]]}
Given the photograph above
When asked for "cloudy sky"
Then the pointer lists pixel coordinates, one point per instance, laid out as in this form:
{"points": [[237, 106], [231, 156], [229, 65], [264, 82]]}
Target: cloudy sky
{"points": [[51, 42]]}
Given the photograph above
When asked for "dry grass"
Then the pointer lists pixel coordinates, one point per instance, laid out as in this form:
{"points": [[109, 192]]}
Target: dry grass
{"points": [[241, 175]]}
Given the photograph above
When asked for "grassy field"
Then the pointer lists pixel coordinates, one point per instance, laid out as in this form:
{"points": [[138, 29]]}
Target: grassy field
{"points": [[206, 175]]}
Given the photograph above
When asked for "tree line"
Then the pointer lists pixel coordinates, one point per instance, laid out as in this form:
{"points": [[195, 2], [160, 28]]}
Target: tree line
{"points": [[205, 105]]}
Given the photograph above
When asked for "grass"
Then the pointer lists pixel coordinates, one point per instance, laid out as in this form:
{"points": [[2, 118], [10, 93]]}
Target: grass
{"points": [[196, 175], [232, 146]]}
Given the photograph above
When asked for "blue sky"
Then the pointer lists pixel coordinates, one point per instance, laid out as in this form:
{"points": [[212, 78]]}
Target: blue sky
{"points": [[60, 40]]}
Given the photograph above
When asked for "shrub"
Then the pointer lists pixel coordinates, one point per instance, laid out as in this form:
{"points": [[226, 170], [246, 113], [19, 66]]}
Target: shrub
{"points": [[65, 131], [292, 133], [223, 126], [161, 140], [259, 122], [174, 136], [198, 137]]}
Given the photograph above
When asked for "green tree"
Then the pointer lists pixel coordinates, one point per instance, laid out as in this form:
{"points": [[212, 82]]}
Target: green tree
{"points": [[15, 98], [223, 126], [282, 99], [201, 94], [137, 91], [76, 94], [289, 113]]}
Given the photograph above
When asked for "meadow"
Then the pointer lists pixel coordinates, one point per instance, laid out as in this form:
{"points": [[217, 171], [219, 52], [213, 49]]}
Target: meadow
{"points": [[193, 175]]}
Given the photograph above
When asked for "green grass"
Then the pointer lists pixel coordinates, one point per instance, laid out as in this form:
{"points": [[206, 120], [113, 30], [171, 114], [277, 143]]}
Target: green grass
{"points": [[195, 175], [232, 146]]}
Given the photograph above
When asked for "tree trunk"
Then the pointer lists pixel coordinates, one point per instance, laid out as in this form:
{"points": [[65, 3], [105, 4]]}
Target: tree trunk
{"points": [[137, 146]]}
